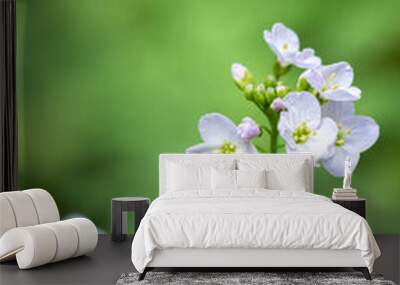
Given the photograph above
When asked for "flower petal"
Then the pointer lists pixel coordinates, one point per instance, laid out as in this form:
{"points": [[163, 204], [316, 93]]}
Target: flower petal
{"points": [[244, 147], [338, 74], [364, 133], [342, 95], [203, 148], [288, 138], [338, 111], [320, 143], [270, 40], [302, 107], [283, 35], [306, 59], [215, 129], [315, 78], [283, 42], [335, 163]]}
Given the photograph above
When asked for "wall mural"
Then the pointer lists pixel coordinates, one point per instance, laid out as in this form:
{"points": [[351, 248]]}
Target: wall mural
{"points": [[103, 89]]}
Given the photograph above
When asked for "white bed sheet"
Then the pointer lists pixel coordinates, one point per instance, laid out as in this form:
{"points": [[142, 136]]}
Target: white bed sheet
{"points": [[250, 218]]}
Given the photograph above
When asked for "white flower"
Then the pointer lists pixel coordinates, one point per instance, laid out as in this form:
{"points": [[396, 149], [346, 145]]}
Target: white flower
{"points": [[285, 44], [356, 134], [302, 128], [220, 135], [333, 82], [248, 129]]}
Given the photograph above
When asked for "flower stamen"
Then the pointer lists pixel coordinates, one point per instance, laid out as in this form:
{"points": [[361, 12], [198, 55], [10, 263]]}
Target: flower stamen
{"points": [[227, 148], [341, 135], [302, 133], [331, 76]]}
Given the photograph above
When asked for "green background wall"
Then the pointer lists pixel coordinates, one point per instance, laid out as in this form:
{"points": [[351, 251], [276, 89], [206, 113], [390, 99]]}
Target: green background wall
{"points": [[105, 86]]}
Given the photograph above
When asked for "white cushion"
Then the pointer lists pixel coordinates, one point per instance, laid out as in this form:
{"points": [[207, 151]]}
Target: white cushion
{"points": [[291, 175], [223, 179], [67, 239], [45, 205], [179, 173], [7, 220], [23, 208], [251, 179], [26, 208], [87, 233], [40, 244], [188, 177]]}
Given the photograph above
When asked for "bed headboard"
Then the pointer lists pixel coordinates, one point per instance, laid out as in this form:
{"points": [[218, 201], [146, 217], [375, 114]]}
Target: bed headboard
{"points": [[274, 158]]}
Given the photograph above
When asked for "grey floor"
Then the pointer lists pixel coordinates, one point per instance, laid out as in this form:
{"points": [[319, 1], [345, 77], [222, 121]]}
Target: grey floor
{"points": [[110, 260]]}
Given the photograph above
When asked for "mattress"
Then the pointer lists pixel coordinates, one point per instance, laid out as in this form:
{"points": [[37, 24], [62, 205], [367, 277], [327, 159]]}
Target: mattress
{"points": [[250, 219]]}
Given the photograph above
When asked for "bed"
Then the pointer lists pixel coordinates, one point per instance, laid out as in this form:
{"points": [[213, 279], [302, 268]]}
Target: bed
{"points": [[242, 211]]}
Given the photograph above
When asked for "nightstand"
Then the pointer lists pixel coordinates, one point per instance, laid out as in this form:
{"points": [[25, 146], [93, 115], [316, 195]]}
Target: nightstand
{"points": [[120, 206], [358, 206]]}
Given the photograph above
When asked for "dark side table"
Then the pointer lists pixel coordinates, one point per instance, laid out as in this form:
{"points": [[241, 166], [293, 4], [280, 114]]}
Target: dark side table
{"points": [[357, 206], [120, 207]]}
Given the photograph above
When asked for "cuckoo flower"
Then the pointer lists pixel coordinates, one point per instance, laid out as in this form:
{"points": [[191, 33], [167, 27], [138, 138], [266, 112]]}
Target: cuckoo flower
{"points": [[333, 82], [248, 129], [220, 135], [355, 135], [286, 45], [302, 127]]}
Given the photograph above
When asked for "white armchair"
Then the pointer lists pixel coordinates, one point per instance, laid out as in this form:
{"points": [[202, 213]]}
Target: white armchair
{"points": [[31, 230]]}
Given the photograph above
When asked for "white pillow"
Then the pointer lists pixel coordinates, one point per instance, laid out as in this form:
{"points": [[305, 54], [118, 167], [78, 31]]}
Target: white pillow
{"points": [[187, 177], [237, 179], [293, 180], [282, 174], [251, 179], [193, 174], [223, 179]]}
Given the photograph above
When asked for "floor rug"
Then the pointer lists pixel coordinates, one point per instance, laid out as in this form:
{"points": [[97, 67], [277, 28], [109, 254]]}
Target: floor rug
{"points": [[233, 278]]}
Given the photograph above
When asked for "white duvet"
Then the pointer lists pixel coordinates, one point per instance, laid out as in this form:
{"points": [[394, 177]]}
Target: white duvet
{"points": [[250, 219]]}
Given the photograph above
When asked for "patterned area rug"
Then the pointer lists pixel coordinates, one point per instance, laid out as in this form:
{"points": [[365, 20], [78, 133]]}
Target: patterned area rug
{"points": [[233, 278]]}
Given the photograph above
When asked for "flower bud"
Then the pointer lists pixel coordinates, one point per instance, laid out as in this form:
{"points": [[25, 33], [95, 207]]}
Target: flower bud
{"points": [[278, 105], [270, 81], [302, 84], [259, 95], [270, 94], [281, 90], [260, 88], [248, 129], [248, 91], [240, 75]]}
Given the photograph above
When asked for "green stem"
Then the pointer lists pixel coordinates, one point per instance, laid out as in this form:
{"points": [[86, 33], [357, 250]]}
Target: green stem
{"points": [[274, 135], [273, 130], [265, 128]]}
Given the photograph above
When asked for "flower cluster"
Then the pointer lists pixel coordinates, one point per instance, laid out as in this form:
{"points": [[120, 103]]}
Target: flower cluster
{"points": [[316, 116]]}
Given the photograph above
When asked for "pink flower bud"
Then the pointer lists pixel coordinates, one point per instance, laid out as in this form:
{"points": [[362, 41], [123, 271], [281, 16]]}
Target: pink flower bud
{"points": [[248, 129], [278, 105], [238, 71]]}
